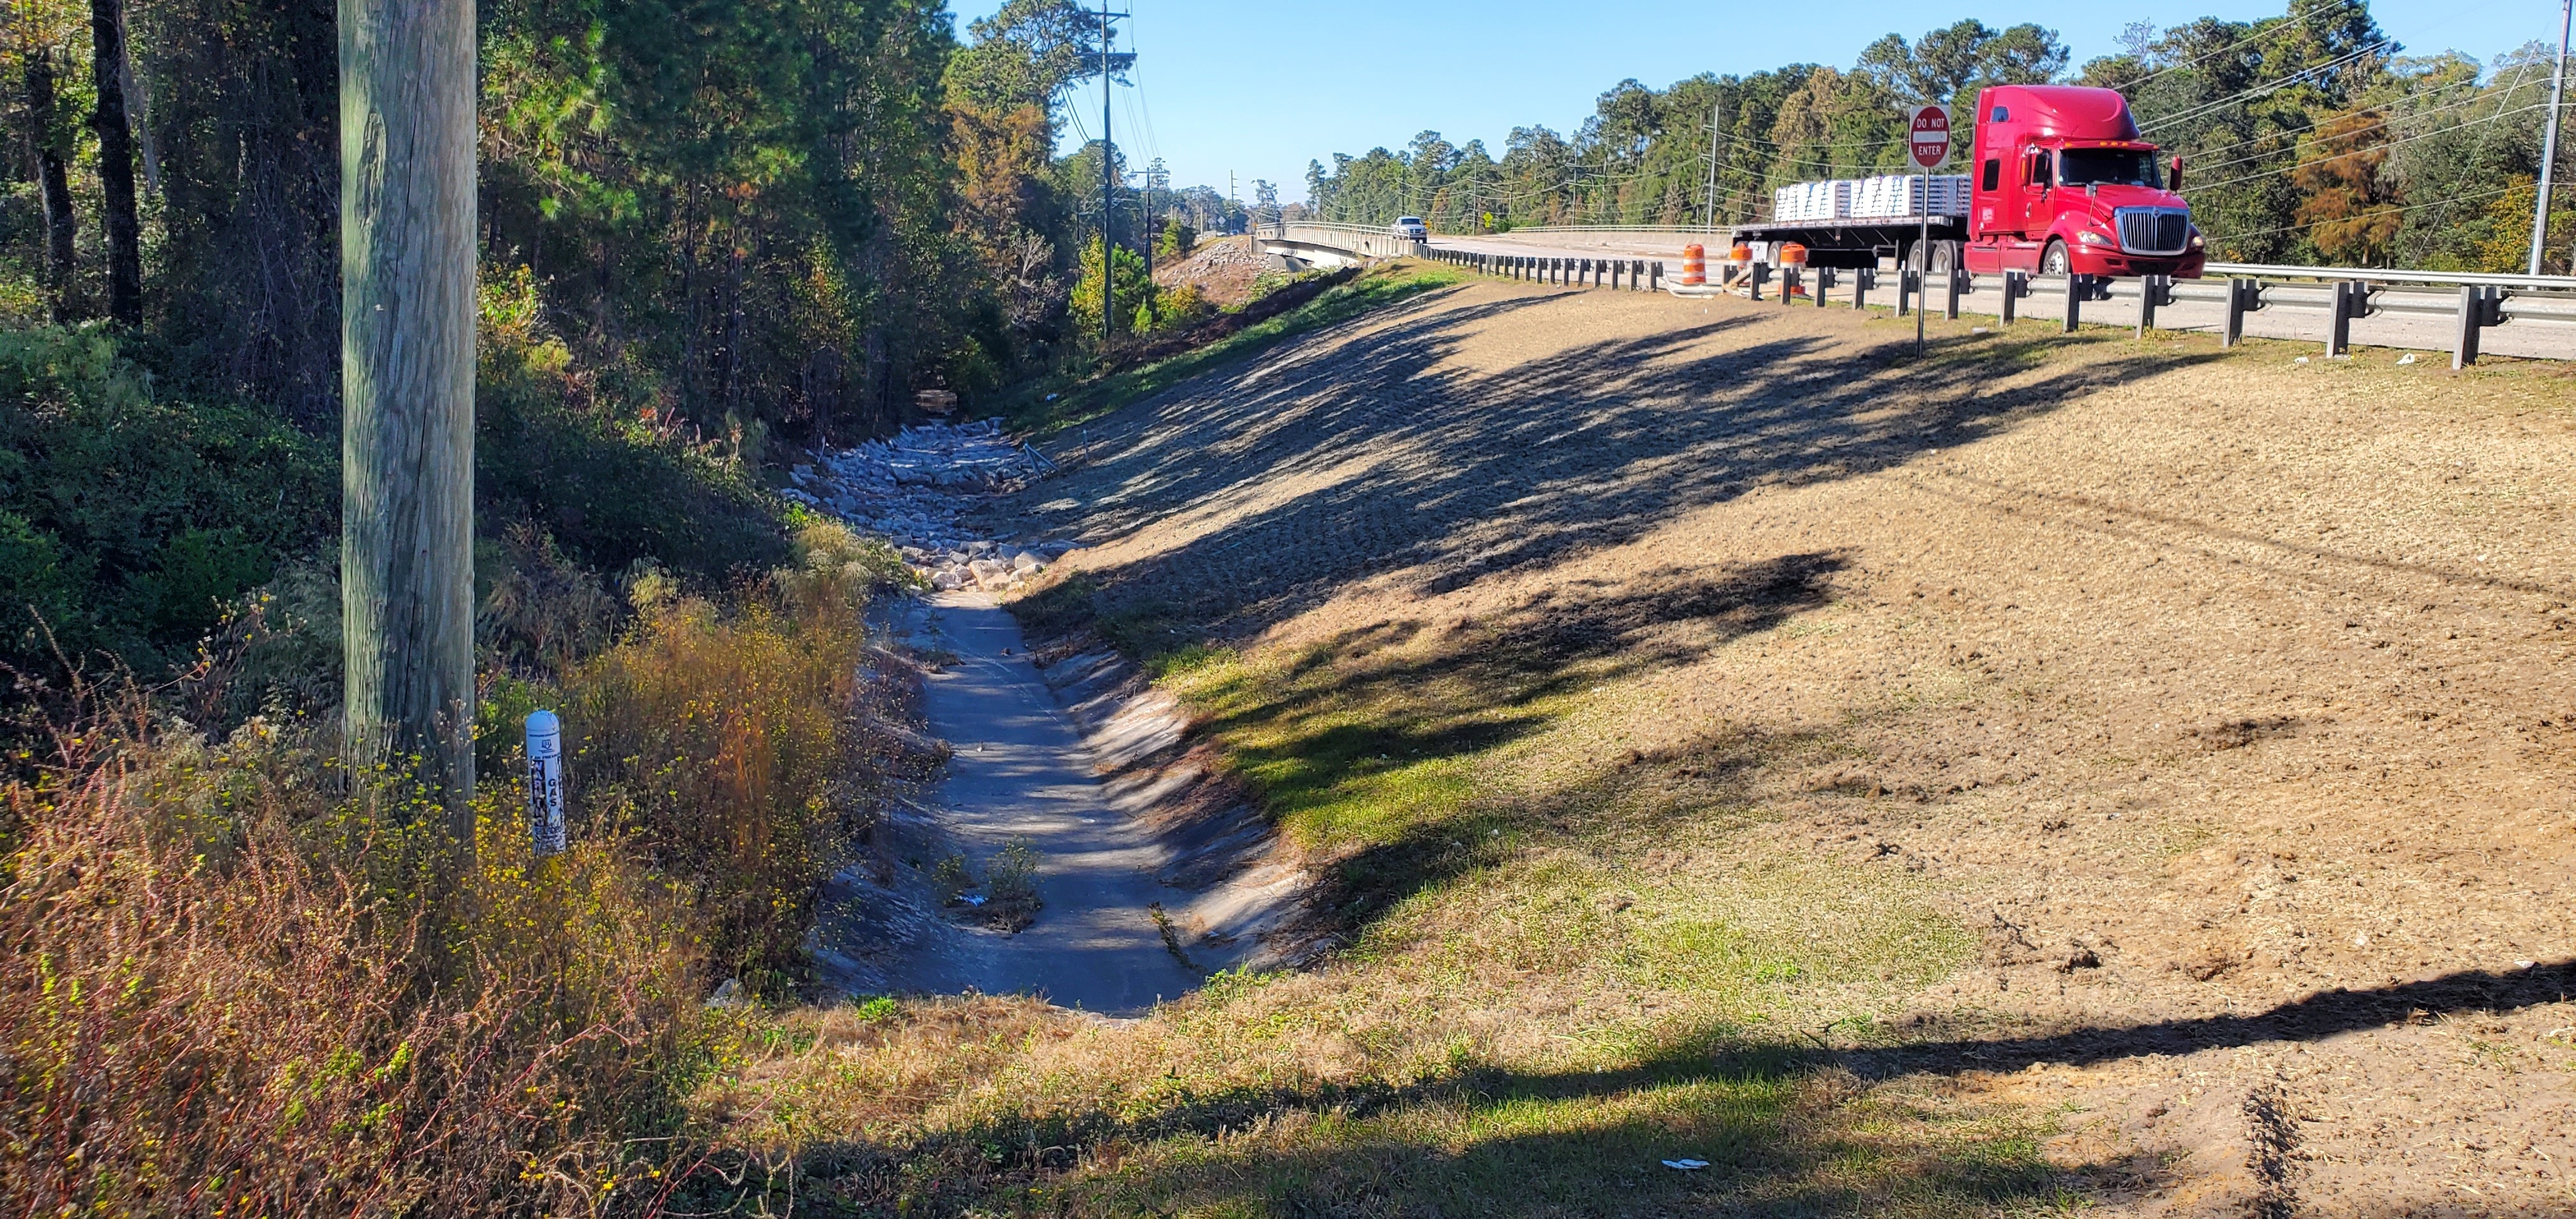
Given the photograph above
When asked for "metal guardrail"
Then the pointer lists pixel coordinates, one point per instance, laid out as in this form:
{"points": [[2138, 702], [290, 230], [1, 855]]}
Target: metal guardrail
{"points": [[2383, 275], [2376, 275], [2343, 294]]}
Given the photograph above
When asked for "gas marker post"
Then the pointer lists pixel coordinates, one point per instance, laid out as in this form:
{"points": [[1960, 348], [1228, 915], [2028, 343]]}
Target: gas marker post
{"points": [[1928, 142]]}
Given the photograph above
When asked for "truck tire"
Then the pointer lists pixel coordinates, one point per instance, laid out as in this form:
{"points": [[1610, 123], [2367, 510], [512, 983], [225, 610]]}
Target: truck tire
{"points": [[1945, 257], [2053, 260]]}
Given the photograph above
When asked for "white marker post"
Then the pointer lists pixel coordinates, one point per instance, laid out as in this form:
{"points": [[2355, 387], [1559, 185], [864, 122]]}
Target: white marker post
{"points": [[1928, 142], [545, 783]]}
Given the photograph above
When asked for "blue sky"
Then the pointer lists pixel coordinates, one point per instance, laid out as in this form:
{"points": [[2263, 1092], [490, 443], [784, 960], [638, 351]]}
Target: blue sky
{"points": [[1259, 89]]}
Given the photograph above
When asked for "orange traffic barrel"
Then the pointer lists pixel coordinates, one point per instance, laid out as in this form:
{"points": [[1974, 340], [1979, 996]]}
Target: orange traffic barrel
{"points": [[1793, 259], [1739, 262], [1694, 264]]}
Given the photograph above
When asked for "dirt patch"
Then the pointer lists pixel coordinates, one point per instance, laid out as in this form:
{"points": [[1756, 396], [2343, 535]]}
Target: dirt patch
{"points": [[2220, 699], [1225, 270]]}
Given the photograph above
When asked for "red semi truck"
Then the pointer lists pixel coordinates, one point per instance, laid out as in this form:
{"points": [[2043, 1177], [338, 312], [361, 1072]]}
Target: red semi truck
{"points": [[2059, 182]]}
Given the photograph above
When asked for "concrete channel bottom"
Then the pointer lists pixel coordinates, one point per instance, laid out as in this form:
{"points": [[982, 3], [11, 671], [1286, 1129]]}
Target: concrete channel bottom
{"points": [[2306, 322], [1022, 773]]}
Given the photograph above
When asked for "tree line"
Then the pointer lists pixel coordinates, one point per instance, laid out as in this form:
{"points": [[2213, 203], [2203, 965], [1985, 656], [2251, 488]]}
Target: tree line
{"points": [[2311, 137], [787, 215]]}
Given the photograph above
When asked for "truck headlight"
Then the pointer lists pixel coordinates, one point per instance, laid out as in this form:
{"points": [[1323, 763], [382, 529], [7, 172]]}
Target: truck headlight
{"points": [[2195, 236], [2089, 237]]}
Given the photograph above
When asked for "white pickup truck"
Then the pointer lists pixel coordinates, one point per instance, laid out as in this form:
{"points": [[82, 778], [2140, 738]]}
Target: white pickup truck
{"points": [[1410, 228]]}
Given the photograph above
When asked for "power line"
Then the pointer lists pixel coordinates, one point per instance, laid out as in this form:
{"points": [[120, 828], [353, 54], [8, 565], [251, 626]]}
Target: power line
{"points": [[2263, 32], [2344, 60], [2379, 147]]}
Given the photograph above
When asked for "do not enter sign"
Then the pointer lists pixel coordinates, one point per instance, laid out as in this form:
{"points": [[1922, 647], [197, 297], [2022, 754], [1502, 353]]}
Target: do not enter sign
{"points": [[1931, 136]]}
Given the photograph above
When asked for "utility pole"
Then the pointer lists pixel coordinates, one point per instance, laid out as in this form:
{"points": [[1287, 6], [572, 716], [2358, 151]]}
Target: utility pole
{"points": [[2549, 142], [1108, 195], [407, 202], [1153, 170], [1716, 130]]}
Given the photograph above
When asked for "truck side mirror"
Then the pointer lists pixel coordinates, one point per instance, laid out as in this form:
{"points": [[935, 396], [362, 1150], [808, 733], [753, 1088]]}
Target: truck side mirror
{"points": [[2173, 176]]}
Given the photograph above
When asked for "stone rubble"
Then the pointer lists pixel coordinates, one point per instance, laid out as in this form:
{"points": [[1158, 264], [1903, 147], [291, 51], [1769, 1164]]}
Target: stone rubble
{"points": [[911, 488]]}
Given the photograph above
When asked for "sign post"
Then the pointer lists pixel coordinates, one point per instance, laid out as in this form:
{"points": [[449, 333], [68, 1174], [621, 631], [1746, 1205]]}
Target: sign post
{"points": [[545, 783], [1928, 142]]}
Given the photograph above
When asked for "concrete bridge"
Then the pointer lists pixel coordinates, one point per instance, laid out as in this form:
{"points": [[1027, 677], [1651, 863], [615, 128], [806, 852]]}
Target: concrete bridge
{"points": [[1334, 245]]}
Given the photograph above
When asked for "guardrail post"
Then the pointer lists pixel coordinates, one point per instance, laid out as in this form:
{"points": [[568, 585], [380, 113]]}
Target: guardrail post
{"points": [[2339, 325], [2242, 295], [2154, 291], [1863, 280], [2479, 309], [2075, 287], [1824, 285], [2016, 286], [1761, 275], [1953, 283], [1656, 281]]}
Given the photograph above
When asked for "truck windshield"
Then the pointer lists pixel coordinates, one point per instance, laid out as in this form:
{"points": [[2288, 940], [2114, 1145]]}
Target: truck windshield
{"points": [[2107, 166]]}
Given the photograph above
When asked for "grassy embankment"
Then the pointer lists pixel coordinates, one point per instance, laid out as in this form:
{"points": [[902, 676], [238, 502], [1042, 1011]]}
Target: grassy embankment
{"points": [[1564, 962], [1296, 305]]}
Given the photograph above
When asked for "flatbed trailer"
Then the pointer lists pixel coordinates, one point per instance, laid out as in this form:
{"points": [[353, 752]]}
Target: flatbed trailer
{"points": [[1856, 242]]}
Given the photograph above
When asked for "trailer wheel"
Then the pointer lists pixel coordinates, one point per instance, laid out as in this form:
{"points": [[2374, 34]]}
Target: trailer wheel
{"points": [[2053, 260], [1945, 257]]}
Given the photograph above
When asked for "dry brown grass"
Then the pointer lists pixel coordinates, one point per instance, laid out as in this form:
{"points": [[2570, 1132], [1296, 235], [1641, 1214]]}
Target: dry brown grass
{"points": [[236, 981], [229, 992]]}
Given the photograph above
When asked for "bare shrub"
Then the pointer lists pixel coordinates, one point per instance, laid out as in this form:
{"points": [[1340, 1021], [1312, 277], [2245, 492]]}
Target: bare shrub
{"points": [[1011, 885]]}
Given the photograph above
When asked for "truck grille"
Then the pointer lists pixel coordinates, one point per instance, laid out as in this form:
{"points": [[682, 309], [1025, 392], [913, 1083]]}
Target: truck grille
{"points": [[2153, 230]]}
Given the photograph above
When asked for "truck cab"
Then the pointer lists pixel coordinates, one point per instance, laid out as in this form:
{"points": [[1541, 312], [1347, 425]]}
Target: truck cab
{"points": [[2060, 182]]}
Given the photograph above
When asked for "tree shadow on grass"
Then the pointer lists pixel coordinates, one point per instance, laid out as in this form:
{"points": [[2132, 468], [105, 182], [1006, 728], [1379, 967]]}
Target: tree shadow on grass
{"points": [[1388, 452], [1786, 1130], [1367, 710]]}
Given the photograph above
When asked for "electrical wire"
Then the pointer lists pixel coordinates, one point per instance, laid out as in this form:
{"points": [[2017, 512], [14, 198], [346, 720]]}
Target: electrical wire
{"points": [[2346, 59], [2292, 228], [2263, 32], [2380, 147]]}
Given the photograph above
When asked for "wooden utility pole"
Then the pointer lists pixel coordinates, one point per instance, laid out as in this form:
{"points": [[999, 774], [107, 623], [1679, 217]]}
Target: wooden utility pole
{"points": [[407, 389], [2549, 142], [116, 163], [1108, 196], [1708, 193]]}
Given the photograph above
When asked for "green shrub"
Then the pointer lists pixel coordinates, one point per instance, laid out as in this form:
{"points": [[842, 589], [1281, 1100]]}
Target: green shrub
{"points": [[600, 466], [128, 522]]}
